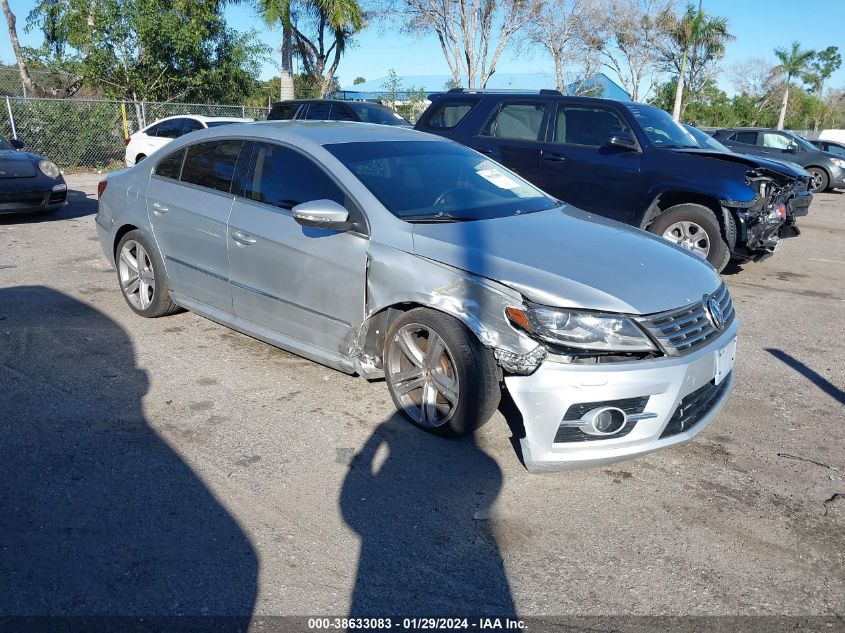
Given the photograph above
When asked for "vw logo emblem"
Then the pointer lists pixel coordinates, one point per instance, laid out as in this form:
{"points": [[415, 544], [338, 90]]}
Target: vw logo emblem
{"points": [[715, 313]]}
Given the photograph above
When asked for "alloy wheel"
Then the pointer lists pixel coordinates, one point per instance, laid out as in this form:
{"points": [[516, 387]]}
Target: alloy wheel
{"points": [[690, 235], [137, 279], [422, 375]]}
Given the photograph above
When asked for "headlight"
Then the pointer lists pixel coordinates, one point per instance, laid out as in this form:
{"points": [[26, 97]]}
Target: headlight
{"points": [[49, 169], [582, 330], [838, 162]]}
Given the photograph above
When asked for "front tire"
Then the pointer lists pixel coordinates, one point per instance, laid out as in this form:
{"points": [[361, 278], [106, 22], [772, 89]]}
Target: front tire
{"points": [[819, 180], [696, 228], [438, 373], [140, 273]]}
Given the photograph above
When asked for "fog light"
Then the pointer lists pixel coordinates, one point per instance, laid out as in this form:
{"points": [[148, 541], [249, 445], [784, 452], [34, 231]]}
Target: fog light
{"points": [[604, 421]]}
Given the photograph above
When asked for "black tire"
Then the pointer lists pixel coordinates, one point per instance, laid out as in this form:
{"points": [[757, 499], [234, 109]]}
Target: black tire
{"points": [[473, 365], [139, 158], [819, 180], [158, 303], [719, 253]]}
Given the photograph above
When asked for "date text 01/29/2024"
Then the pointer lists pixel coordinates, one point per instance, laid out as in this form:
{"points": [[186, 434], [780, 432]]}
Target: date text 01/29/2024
{"points": [[416, 624]]}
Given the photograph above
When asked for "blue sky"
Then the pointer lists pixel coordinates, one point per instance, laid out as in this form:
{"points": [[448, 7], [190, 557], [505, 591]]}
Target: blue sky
{"points": [[758, 26]]}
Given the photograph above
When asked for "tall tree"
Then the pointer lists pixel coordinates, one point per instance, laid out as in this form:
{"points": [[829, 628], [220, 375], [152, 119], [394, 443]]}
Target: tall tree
{"points": [[823, 66], [627, 41], [473, 34], [322, 29], [562, 29], [274, 13], [794, 62], [695, 32]]}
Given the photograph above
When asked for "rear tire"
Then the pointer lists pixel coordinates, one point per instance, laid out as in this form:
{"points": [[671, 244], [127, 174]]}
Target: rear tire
{"points": [[139, 158], [140, 273], [695, 227], [450, 389]]}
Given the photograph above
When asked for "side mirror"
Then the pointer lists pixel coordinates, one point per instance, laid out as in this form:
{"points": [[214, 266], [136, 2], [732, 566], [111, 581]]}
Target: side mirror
{"points": [[17, 143], [622, 141], [322, 214], [792, 149]]}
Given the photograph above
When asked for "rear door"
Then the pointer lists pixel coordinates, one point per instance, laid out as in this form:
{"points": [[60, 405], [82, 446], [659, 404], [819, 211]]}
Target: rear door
{"points": [[578, 166], [513, 136], [188, 200], [306, 283], [742, 141]]}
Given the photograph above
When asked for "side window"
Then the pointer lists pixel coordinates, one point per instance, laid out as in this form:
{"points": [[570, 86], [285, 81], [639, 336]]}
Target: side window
{"points": [[211, 164], [191, 125], [587, 125], [283, 111], [777, 141], [522, 121], [285, 178], [341, 113], [170, 165], [318, 111], [171, 128], [836, 149], [749, 138], [448, 114]]}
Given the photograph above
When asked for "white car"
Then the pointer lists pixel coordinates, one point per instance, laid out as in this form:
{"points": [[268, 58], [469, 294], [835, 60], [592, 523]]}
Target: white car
{"points": [[146, 141]]}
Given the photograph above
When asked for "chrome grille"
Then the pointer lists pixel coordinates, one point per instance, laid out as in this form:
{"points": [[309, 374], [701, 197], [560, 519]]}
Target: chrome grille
{"points": [[685, 329]]}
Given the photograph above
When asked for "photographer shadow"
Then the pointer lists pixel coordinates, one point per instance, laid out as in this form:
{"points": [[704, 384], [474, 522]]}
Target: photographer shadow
{"points": [[420, 505]]}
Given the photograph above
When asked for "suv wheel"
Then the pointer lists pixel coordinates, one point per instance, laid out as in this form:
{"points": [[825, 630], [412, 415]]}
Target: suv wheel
{"points": [[818, 179], [696, 228], [438, 373]]}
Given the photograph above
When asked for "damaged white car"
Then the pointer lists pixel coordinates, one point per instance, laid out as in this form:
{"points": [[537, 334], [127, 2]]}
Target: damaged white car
{"points": [[391, 253]]}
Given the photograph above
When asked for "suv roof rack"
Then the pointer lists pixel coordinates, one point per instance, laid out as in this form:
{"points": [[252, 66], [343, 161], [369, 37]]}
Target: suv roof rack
{"points": [[542, 91]]}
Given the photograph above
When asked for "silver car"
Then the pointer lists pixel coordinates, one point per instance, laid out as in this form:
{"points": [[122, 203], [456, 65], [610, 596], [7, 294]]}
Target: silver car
{"points": [[394, 254]]}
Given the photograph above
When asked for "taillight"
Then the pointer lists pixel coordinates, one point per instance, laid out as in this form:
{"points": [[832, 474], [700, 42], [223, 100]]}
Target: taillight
{"points": [[101, 187], [126, 141]]}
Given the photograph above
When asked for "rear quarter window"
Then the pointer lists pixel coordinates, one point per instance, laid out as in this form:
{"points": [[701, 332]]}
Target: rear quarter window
{"points": [[448, 114], [170, 165], [283, 111], [211, 164]]}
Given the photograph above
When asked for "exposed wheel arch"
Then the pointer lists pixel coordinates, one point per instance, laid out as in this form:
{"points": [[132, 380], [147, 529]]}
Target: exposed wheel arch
{"points": [[139, 158], [669, 199], [826, 173], [123, 230]]}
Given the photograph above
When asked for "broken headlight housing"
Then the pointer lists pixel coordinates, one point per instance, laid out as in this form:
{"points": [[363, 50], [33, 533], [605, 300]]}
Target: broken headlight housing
{"points": [[588, 331]]}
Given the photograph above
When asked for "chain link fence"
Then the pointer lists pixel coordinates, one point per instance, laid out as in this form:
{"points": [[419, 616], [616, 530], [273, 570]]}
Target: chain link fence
{"points": [[80, 134]]}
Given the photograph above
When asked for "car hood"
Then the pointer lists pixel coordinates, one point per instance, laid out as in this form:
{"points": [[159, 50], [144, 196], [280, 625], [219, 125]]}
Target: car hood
{"points": [[14, 164], [566, 257], [782, 166]]}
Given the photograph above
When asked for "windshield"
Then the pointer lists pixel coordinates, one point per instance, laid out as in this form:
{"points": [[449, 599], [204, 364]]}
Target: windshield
{"points": [[218, 123], [660, 128], [4, 144], [802, 142], [705, 140], [438, 181], [372, 113]]}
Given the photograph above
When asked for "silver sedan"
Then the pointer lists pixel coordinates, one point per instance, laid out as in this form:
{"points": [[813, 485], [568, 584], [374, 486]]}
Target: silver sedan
{"points": [[394, 254]]}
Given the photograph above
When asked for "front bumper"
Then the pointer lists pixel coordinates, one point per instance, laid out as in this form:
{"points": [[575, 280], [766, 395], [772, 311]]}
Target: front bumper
{"points": [[544, 397], [33, 201], [837, 178]]}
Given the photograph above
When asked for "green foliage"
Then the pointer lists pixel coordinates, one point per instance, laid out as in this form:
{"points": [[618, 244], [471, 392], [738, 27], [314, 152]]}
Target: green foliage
{"points": [[391, 88], [151, 49], [826, 63], [358, 80]]}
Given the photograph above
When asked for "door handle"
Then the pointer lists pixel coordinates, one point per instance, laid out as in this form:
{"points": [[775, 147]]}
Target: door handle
{"points": [[242, 238], [158, 208], [552, 156]]}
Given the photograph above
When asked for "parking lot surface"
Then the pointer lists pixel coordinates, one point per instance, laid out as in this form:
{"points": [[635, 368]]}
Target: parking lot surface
{"points": [[174, 466]]}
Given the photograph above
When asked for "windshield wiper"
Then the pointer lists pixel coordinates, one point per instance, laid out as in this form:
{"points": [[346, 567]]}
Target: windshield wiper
{"points": [[434, 217]]}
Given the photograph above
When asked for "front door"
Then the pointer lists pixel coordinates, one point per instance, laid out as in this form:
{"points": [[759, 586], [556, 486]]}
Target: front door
{"points": [[189, 204], [578, 166], [306, 283]]}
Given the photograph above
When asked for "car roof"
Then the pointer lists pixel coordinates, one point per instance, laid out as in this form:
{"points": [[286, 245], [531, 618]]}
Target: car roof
{"points": [[317, 133], [203, 118], [522, 94], [341, 101]]}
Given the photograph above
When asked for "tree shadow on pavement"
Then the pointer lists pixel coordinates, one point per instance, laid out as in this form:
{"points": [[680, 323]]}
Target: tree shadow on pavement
{"points": [[98, 515], [420, 505]]}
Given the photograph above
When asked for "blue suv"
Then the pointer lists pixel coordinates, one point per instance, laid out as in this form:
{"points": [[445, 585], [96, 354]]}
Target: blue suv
{"points": [[630, 162]]}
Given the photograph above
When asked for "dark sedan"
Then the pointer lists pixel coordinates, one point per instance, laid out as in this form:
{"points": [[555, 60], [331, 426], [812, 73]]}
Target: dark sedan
{"points": [[28, 182]]}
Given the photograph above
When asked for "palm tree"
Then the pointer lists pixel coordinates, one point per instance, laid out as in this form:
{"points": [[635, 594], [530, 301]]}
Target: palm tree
{"points": [[695, 29], [274, 12], [793, 63]]}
